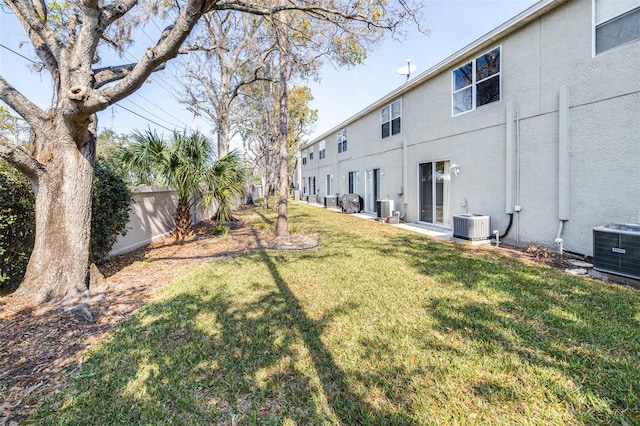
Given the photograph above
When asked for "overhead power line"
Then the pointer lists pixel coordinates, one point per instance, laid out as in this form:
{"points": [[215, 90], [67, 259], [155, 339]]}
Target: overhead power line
{"points": [[145, 118], [19, 54], [125, 108]]}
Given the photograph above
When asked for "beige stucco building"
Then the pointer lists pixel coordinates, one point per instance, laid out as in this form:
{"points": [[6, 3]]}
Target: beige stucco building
{"points": [[537, 123]]}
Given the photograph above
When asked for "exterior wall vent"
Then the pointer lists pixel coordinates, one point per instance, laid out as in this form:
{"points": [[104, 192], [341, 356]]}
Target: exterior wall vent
{"points": [[385, 207], [473, 227], [312, 199], [616, 249]]}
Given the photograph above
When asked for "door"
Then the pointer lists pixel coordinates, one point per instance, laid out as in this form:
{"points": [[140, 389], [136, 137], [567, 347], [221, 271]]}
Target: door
{"points": [[434, 192], [372, 190]]}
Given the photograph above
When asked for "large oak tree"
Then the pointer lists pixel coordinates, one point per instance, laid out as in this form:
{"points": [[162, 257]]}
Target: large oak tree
{"points": [[60, 160]]}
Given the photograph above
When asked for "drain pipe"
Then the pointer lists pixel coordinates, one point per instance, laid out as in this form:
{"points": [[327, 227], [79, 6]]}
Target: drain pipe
{"points": [[559, 241], [511, 168], [496, 233], [563, 164], [405, 177]]}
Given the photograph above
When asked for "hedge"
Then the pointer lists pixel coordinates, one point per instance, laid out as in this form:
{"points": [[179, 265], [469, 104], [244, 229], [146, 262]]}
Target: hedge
{"points": [[110, 214]]}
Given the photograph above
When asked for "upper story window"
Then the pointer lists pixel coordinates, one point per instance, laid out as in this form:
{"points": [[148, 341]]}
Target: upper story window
{"points": [[390, 116], [617, 22], [311, 154], [304, 160], [322, 151], [477, 83], [342, 141]]}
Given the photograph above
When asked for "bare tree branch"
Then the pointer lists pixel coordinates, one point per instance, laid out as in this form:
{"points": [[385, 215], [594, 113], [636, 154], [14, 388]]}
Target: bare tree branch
{"points": [[106, 75], [21, 104], [110, 13], [45, 41], [19, 159], [166, 48]]}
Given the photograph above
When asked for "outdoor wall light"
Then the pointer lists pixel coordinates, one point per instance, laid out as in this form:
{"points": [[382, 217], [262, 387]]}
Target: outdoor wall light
{"points": [[455, 169]]}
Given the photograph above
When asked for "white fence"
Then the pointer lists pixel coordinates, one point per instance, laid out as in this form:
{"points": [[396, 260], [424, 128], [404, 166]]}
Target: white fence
{"points": [[151, 217]]}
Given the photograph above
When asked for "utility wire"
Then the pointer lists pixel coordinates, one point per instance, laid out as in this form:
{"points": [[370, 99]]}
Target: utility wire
{"points": [[19, 54], [150, 113], [145, 118], [125, 108]]}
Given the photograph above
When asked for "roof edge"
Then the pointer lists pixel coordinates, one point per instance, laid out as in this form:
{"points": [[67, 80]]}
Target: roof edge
{"points": [[528, 15]]}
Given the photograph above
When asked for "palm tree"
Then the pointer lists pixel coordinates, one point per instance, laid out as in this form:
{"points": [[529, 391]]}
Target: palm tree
{"points": [[186, 163]]}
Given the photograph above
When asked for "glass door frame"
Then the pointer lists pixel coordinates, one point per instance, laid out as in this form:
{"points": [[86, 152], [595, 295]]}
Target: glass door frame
{"points": [[441, 171]]}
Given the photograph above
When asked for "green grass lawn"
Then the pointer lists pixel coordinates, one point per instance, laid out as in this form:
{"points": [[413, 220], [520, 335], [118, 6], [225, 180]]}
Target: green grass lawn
{"points": [[376, 326]]}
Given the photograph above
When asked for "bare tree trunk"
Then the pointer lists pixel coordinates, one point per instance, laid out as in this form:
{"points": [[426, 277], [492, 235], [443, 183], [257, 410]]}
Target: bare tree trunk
{"points": [[282, 225], [223, 139], [59, 264]]}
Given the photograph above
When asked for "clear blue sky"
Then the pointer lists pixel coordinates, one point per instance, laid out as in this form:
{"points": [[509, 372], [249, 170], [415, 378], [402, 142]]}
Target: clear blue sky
{"points": [[339, 94]]}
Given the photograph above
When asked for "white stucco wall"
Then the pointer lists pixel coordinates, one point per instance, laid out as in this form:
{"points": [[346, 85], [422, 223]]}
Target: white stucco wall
{"points": [[550, 54]]}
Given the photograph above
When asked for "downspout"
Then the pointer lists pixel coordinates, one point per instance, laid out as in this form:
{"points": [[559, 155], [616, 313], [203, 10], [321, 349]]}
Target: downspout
{"points": [[563, 164], [510, 169], [405, 179], [517, 207]]}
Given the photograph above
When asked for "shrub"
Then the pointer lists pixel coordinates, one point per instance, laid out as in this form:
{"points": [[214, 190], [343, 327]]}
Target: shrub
{"points": [[17, 226], [220, 230], [111, 204], [110, 209]]}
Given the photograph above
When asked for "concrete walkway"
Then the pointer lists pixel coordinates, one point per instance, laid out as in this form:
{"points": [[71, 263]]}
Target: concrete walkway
{"points": [[432, 231]]}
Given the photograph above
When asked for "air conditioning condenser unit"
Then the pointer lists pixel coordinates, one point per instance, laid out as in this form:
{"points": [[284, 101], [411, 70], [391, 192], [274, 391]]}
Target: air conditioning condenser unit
{"points": [[385, 207], [473, 227], [616, 249]]}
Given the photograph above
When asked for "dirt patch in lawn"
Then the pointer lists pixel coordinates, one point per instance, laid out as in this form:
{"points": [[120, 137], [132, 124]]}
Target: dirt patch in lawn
{"points": [[42, 347]]}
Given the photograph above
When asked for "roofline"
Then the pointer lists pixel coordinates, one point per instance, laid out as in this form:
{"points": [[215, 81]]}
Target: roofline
{"points": [[523, 18]]}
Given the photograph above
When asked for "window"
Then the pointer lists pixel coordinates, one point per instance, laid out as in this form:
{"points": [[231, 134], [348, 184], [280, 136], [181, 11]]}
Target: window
{"points": [[390, 119], [477, 83], [304, 159], [322, 153], [353, 183], [342, 141], [311, 155], [617, 22]]}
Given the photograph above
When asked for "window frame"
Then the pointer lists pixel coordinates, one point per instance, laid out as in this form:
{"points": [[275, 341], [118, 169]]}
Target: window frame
{"points": [[322, 149], [596, 23], [473, 86], [391, 119], [342, 141]]}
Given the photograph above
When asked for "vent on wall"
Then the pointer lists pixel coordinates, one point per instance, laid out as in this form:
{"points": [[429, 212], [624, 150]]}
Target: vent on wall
{"points": [[616, 249], [385, 207], [474, 227]]}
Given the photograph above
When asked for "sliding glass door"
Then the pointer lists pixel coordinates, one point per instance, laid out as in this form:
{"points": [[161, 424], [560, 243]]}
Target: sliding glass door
{"points": [[434, 192], [372, 190]]}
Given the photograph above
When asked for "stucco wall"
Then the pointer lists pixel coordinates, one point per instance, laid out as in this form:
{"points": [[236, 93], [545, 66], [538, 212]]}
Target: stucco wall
{"points": [[151, 217], [549, 55]]}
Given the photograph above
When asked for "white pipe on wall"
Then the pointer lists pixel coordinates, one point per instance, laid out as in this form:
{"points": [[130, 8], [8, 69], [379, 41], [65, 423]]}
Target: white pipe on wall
{"points": [[510, 154], [563, 154], [563, 164]]}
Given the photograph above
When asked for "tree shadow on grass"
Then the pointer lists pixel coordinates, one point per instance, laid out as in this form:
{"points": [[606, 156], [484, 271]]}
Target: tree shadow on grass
{"points": [[211, 355], [581, 334]]}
